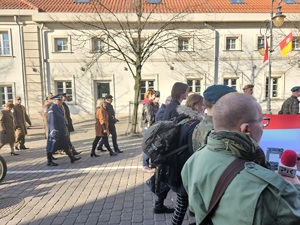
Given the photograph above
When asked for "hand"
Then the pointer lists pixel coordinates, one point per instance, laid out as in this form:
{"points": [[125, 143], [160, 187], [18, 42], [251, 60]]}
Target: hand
{"points": [[104, 131], [293, 180]]}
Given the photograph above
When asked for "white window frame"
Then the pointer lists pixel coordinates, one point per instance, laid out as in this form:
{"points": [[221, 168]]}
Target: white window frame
{"points": [[6, 93], [2, 32], [98, 47], [237, 42], [260, 40], [279, 76], [68, 44], [184, 44], [194, 87], [146, 87], [65, 89]]}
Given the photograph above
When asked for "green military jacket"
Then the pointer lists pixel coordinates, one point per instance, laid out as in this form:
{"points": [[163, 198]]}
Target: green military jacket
{"points": [[201, 132], [256, 196], [290, 106]]}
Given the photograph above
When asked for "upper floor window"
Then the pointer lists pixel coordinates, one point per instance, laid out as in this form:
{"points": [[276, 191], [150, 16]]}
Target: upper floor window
{"points": [[236, 1], [65, 87], [290, 1], [145, 85], [98, 45], [232, 82], [260, 42], [195, 85], [61, 44], [4, 43], [233, 42], [6, 94], [184, 44], [82, 1], [296, 43]]}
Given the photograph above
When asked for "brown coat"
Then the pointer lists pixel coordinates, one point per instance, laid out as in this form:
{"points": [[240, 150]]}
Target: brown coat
{"points": [[101, 122], [21, 118], [7, 132]]}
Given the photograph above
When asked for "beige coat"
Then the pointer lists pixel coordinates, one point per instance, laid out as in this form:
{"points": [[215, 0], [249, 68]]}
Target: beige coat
{"points": [[21, 118], [7, 132], [101, 122]]}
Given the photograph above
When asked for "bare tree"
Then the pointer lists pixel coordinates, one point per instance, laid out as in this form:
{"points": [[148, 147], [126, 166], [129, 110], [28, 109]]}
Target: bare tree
{"points": [[133, 37]]}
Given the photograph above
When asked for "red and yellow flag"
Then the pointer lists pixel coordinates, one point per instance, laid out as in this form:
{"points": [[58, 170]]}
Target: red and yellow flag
{"points": [[286, 45]]}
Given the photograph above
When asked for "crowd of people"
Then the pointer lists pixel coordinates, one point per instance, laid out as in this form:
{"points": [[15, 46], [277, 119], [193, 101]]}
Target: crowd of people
{"points": [[222, 125]]}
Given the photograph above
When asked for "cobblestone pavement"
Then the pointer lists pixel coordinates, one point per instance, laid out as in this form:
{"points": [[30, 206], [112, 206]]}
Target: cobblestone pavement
{"points": [[103, 190]]}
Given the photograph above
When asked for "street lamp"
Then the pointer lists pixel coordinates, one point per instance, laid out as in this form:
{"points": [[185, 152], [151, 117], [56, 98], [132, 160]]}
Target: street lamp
{"points": [[278, 21]]}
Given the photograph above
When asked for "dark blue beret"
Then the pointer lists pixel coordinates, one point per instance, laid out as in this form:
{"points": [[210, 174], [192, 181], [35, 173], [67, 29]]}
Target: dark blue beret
{"points": [[56, 97], [216, 91], [296, 88]]}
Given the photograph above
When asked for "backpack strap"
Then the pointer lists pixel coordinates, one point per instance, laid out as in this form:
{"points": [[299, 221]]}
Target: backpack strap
{"points": [[227, 176], [177, 150]]}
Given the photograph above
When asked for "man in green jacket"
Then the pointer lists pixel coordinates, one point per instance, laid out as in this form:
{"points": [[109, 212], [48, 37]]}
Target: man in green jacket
{"points": [[257, 195], [291, 104]]}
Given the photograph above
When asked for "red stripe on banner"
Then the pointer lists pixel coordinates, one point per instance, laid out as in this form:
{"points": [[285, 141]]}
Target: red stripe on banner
{"points": [[287, 121]]}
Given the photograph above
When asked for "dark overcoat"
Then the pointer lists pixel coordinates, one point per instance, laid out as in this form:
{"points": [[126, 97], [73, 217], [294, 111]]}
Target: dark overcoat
{"points": [[7, 132], [57, 136]]}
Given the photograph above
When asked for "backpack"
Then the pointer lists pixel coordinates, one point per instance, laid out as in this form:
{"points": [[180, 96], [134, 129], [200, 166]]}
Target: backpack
{"points": [[160, 138]]}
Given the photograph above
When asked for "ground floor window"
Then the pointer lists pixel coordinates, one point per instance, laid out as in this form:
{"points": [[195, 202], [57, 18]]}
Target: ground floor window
{"points": [[6, 94], [145, 85], [65, 87], [232, 82], [274, 87], [195, 85]]}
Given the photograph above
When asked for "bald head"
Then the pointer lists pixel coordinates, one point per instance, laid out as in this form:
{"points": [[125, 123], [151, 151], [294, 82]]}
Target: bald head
{"points": [[234, 109]]}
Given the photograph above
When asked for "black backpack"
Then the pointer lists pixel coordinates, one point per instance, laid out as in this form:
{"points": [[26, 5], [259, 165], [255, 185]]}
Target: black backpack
{"points": [[160, 138]]}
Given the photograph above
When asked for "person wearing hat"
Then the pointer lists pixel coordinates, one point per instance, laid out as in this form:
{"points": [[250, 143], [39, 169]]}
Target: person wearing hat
{"points": [[248, 89], [68, 121], [111, 125], [57, 136], [20, 119], [211, 95], [291, 105]]}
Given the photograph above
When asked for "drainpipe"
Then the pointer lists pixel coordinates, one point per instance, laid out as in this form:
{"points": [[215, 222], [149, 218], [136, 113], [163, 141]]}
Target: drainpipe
{"points": [[216, 55], [42, 53], [16, 18]]}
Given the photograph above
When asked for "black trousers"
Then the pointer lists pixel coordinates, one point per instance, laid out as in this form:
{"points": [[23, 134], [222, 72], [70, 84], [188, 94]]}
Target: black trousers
{"points": [[113, 132]]}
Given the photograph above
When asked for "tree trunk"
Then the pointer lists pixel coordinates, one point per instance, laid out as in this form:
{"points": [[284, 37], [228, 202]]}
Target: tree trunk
{"points": [[137, 87]]}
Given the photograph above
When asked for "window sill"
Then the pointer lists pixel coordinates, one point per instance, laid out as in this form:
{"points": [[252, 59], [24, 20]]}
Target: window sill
{"points": [[63, 52], [232, 50]]}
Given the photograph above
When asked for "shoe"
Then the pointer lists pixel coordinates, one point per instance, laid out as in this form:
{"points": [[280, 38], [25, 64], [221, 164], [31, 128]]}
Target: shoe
{"points": [[164, 209], [101, 149], [12, 153], [24, 148], [113, 153], [148, 169], [52, 164], [77, 153], [118, 151], [94, 155], [73, 159], [16, 148]]}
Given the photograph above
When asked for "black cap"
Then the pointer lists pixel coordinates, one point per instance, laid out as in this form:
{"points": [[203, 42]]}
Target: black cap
{"points": [[108, 97]]}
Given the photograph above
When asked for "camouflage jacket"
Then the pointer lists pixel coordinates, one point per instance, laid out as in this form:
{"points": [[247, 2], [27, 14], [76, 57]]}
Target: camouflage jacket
{"points": [[290, 106]]}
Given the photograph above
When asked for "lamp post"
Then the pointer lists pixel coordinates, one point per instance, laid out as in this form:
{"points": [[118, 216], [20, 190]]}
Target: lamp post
{"points": [[277, 21]]}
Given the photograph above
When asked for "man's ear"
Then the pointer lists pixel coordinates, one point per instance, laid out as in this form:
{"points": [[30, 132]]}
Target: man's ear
{"points": [[244, 128]]}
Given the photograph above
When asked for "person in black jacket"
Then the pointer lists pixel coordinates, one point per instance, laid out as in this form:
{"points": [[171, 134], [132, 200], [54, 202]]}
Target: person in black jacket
{"points": [[194, 110], [112, 127], [68, 122], [179, 93]]}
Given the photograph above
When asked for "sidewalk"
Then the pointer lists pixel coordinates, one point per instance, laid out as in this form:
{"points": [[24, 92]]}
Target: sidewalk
{"points": [[103, 190]]}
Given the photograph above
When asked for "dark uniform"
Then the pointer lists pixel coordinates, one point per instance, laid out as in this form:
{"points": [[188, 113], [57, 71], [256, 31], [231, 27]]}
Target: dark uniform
{"points": [[290, 106], [57, 133]]}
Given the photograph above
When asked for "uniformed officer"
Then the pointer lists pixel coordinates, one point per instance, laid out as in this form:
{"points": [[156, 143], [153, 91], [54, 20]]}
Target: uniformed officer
{"points": [[57, 136], [248, 89], [291, 105]]}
